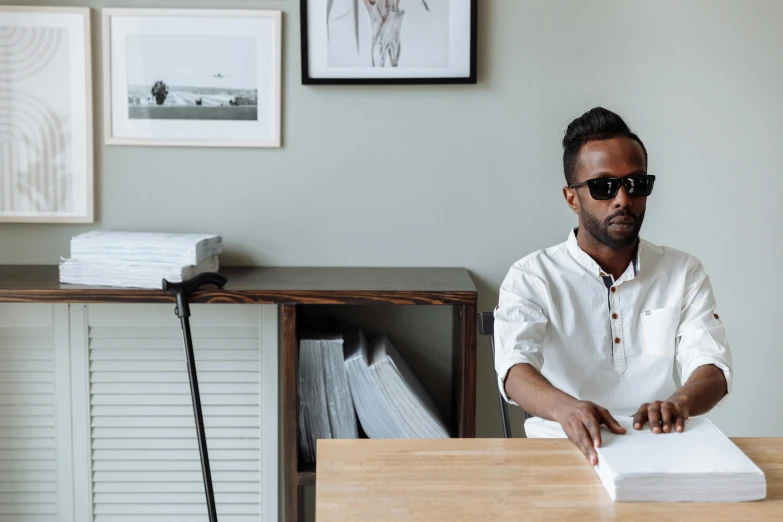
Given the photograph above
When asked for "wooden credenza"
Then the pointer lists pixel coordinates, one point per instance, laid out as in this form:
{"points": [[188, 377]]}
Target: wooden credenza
{"points": [[299, 295]]}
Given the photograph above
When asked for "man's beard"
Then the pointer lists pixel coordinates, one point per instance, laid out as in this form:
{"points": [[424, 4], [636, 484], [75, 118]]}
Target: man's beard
{"points": [[600, 231]]}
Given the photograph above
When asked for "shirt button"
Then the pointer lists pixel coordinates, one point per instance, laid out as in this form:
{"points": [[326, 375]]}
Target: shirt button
{"points": [[716, 316], [616, 340], [603, 275], [615, 316], [614, 289]]}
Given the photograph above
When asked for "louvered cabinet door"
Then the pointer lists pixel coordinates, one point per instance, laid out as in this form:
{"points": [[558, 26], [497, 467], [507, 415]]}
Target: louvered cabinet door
{"points": [[143, 449], [35, 414]]}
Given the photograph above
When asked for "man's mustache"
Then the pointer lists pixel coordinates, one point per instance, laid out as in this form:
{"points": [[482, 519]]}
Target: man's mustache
{"points": [[623, 214]]}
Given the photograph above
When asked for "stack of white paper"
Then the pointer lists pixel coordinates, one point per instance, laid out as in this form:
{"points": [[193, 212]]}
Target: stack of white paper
{"points": [[182, 249], [699, 464], [325, 406], [378, 418], [130, 275], [403, 392], [313, 415], [138, 259]]}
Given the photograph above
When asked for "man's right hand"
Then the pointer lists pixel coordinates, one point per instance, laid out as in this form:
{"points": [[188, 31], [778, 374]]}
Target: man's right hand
{"points": [[581, 421]]}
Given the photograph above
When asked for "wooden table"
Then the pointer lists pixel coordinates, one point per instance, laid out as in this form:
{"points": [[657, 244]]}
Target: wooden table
{"points": [[457, 480]]}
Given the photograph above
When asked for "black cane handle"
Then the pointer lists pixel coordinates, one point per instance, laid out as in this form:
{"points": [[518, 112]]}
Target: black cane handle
{"points": [[183, 290], [194, 283]]}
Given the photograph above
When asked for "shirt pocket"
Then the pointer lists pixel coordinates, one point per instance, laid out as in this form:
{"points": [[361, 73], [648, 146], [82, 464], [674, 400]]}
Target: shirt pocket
{"points": [[659, 327]]}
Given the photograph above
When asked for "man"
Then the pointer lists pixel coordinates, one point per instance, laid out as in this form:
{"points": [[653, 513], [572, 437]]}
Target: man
{"points": [[607, 322]]}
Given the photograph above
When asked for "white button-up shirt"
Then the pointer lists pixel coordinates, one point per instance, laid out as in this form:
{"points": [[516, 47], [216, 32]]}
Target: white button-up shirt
{"points": [[618, 343]]}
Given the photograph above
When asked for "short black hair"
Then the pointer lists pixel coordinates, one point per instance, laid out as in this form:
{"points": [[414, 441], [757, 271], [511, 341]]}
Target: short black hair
{"points": [[595, 124]]}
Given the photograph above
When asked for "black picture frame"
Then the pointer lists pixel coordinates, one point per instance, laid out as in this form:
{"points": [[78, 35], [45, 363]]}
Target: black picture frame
{"points": [[307, 79]]}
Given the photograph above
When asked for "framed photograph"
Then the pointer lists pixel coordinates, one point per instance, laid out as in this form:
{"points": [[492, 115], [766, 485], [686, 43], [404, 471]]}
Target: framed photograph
{"points": [[46, 132], [192, 77], [388, 41]]}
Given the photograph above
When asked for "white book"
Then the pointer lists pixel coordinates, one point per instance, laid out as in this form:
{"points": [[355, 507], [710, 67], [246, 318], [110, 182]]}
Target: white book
{"points": [[339, 403], [326, 408], [313, 413], [376, 415], [699, 464], [144, 247], [131, 274], [404, 393]]}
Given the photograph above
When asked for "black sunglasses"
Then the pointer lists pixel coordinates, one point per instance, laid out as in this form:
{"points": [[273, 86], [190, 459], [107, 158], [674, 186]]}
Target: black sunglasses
{"points": [[637, 186]]}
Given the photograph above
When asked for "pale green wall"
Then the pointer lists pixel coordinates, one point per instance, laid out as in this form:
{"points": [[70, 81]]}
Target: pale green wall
{"points": [[471, 175]]}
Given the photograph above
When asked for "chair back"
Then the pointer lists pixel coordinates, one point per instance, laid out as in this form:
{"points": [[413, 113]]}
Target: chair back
{"points": [[486, 326]]}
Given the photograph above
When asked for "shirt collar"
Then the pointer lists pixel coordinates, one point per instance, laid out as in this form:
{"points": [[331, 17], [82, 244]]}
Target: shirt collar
{"points": [[589, 264]]}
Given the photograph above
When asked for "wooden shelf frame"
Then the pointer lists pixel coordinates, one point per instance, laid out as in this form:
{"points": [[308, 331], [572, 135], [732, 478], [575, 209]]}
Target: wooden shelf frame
{"points": [[291, 288], [299, 474], [260, 285]]}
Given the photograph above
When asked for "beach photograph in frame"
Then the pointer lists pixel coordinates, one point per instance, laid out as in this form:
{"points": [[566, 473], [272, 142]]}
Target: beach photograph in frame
{"points": [[192, 77]]}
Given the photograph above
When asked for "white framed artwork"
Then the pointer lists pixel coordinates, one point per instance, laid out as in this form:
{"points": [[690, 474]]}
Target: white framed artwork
{"points": [[192, 77], [46, 131], [388, 41]]}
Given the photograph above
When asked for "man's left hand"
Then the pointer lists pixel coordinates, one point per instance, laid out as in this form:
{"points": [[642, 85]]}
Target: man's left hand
{"points": [[663, 416]]}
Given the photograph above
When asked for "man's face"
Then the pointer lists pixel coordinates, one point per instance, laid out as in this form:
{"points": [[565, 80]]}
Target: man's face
{"points": [[613, 222]]}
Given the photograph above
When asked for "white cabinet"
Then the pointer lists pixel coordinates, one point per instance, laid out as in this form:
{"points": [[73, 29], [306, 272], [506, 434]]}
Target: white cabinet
{"points": [[96, 420], [35, 436]]}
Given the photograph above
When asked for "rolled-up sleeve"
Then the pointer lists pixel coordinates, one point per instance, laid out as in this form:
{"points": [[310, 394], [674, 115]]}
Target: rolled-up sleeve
{"points": [[701, 337], [520, 324]]}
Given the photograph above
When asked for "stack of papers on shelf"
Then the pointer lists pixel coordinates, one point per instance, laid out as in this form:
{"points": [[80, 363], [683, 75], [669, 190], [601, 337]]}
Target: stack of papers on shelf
{"points": [[131, 275], [139, 259], [406, 398], [699, 464], [378, 418], [183, 249], [341, 377], [325, 406]]}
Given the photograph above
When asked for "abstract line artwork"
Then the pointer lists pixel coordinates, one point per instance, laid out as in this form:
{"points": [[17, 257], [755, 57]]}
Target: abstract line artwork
{"points": [[45, 132], [33, 143]]}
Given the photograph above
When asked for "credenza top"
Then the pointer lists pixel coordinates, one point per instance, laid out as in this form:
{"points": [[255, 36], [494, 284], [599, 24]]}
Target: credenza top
{"points": [[263, 285]]}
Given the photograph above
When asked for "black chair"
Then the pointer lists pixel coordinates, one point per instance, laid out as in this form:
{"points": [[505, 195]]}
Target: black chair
{"points": [[486, 326]]}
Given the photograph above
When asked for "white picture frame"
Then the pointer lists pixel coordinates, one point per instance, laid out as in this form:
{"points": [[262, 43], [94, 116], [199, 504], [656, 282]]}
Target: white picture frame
{"points": [[191, 77], [46, 118]]}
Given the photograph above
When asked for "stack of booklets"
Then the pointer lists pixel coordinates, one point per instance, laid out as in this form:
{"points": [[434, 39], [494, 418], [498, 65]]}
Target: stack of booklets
{"points": [[699, 464], [378, 418], [342, 377], [390, 401], [325, 406], [138, 259]]}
